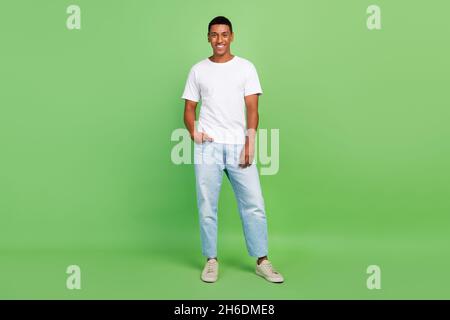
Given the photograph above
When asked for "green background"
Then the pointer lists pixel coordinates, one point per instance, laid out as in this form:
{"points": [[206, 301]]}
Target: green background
{"points": [[86, 176]]}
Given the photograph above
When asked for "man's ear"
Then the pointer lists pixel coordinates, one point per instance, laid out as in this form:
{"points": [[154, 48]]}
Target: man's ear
{"points": [[232, 37], [209, 40]]}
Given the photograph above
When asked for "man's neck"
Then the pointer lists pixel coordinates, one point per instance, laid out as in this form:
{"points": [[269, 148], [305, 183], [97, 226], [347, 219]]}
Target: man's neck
{"points": [[221, 59]]}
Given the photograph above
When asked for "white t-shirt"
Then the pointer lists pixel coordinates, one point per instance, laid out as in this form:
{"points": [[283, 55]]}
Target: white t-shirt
{"points": [[221, 87]]}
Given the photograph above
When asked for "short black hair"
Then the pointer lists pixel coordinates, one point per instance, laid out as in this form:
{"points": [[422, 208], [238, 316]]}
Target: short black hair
{"points": [[220, 20]]}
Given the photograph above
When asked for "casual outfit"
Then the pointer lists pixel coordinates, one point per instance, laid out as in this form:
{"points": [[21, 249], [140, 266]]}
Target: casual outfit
{"points": [[221, 88]]}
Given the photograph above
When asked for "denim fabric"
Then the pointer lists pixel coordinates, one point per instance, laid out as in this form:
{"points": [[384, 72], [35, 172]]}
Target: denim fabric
{"points": [[211, 160]]}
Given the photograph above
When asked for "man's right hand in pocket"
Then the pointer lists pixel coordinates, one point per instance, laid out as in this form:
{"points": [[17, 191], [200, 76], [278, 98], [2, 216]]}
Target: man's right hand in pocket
{"points": [[200, 137]]}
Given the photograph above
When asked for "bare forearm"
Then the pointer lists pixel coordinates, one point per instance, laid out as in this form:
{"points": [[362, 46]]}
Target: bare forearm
{"points": [[189, 116], [251, 103], [247, 154], [189, 121], [252, 123]]}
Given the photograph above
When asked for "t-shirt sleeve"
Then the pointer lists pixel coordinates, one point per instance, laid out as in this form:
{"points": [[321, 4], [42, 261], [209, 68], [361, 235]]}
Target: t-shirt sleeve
{"points": [[191, 89], [252, 85]]}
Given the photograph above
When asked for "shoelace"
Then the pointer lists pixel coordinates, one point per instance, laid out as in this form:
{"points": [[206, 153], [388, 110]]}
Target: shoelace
{"points": [[271, 269], [210, 268]]}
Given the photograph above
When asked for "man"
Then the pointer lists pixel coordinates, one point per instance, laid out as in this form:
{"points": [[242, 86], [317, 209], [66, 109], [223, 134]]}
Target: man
{"points": [[224, 142]]}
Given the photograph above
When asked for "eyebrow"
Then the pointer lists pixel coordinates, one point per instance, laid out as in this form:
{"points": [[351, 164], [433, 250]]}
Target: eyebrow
{"points": [[219, 32]]}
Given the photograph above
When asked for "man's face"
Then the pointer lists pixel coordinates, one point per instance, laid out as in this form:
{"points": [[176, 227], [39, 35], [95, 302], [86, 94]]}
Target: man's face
{"points": [[220, 38]]}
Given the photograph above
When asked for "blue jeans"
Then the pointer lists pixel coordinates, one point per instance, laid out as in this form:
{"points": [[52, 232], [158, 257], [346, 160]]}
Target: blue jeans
{"points": [[211, 159]]}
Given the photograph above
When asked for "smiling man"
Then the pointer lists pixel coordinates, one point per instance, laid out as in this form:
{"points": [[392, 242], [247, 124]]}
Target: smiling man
{"points": [[224, 141]]}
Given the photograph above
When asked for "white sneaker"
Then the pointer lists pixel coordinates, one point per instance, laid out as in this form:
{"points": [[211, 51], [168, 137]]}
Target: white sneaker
{"points": [[210, 271], [266, 270]]}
